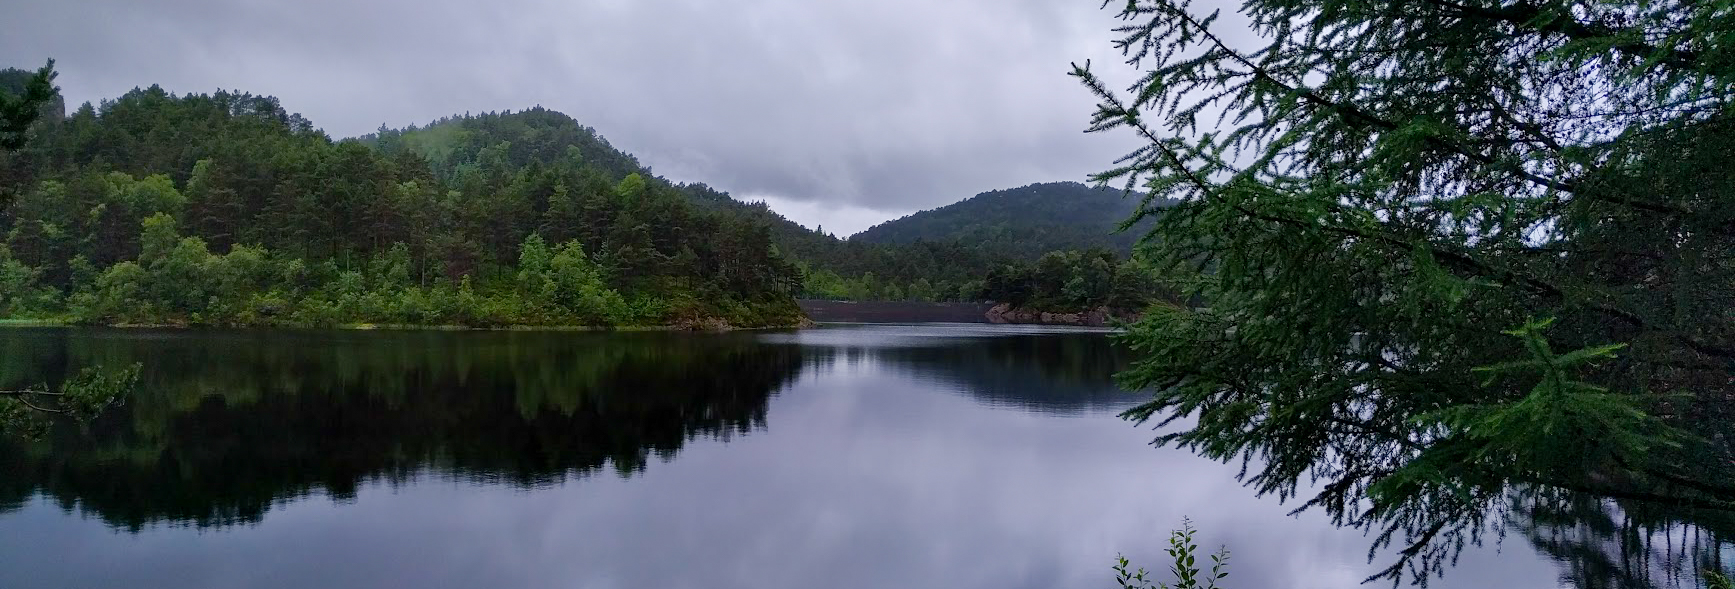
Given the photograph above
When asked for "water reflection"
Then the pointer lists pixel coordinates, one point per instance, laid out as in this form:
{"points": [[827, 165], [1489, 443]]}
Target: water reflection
{"points": [[865, 456], [227, 425], [1052, 370], [1608, 544]]}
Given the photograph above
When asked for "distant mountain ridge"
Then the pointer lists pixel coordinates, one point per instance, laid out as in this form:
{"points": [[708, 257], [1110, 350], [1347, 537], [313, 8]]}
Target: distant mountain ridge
{"points": [[1023, 222]]}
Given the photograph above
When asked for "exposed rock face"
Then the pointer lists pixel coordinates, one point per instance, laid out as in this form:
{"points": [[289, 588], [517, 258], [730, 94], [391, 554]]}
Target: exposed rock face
{"points": [[1098, 317]]}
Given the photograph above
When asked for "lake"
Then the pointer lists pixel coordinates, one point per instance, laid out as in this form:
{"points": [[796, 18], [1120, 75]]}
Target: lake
{"points": [[853, 456]]}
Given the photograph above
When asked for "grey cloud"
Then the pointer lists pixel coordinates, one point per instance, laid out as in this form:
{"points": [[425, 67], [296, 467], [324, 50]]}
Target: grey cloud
{"points": [[891, 105]]}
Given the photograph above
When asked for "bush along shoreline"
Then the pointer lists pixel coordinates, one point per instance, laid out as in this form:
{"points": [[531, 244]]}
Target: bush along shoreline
{"points": [[177, 282]]}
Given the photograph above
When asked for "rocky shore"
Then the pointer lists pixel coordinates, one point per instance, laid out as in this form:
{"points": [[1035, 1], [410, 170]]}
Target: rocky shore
{"points": [[1098, 317]]}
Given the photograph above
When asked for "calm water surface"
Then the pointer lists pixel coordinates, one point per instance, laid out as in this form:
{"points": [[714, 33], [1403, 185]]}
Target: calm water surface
{"points": [[953, 456]]}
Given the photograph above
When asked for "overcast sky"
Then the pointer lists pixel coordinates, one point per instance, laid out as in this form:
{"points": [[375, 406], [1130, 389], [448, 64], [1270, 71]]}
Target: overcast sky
{"points": [[840, 114]]}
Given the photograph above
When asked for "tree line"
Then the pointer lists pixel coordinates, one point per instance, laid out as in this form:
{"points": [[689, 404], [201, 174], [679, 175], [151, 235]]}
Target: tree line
{"points": [[1025, 222], [274, 223], [1059, 281], [226, 209]]}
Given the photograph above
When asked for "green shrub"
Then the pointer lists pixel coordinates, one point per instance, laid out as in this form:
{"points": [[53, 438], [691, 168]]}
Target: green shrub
{"points": [[1183, 556]]}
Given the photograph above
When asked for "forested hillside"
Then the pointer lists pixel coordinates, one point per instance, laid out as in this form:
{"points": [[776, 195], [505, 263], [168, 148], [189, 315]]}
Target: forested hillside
{"points": [[835, 268], [225, 208], [537, 138], [228, 209], [1023, 223], [1001, 245]]}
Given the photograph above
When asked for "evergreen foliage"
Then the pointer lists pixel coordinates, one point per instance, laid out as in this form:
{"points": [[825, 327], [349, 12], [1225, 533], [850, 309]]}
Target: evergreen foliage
{"points": [[1022, 223], [24, 97], [1380, 208], [1074, 281], [949, 253], [437, 204], [225, 209], [928, 267], [1059, 281]]}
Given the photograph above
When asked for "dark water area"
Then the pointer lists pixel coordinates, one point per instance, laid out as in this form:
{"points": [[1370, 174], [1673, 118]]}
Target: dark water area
{"points": [[862, 456], [894, 312]]}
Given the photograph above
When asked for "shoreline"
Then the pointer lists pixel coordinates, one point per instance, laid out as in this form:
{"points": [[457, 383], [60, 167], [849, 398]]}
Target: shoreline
{"points": [[695, 327]]}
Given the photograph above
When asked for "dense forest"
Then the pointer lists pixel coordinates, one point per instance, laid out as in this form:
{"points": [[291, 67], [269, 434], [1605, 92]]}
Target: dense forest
{"points": [[1058, 281], [1069, 281], [226, 209], [1022, 245], [941, 268], [1023, 223]]}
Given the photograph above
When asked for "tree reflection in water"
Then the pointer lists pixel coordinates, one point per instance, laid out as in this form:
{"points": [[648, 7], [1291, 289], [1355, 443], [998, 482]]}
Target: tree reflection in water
{"points": [[225, 427], [1607, 544]]}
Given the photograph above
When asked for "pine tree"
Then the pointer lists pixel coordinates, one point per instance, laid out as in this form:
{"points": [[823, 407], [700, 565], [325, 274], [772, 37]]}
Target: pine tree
{"points": [[1381, 204], [19, 111]]}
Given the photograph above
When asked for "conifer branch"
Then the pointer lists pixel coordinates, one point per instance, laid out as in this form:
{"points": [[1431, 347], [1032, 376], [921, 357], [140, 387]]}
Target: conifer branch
{"points": [[1524, 15]]}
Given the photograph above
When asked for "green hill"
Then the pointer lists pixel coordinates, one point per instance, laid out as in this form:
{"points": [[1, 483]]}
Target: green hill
{"points": [[945, 248], [1023, 222], [462, 147], [227, 209], [538, 138]]}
